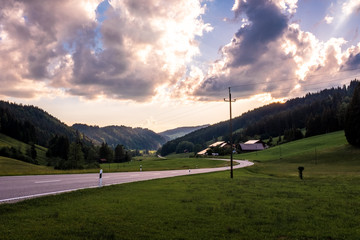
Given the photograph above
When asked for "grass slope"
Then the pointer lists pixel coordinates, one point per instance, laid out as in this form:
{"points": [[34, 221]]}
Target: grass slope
{"points": [[326, 155], [11, 167], [6, 141], [266, 201]]}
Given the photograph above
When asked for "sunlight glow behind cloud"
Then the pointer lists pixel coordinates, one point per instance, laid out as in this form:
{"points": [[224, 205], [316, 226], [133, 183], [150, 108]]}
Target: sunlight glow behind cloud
{"points": [[147, 51]]}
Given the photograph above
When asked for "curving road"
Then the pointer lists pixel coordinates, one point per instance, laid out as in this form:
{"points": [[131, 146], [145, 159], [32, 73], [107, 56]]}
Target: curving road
{"points": [[16, 188]]}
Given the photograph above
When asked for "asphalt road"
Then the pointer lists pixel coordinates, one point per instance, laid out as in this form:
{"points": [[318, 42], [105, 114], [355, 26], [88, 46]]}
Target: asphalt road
{"points": [[17, 188]]}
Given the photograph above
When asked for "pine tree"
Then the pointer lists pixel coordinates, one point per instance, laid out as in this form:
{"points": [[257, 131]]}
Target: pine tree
{"points": [[119, 153], [105, 152], [76, 156], [352, 119]]}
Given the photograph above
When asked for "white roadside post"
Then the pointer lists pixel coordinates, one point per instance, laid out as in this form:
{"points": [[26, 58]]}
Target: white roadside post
{"points": [[100, 178]]}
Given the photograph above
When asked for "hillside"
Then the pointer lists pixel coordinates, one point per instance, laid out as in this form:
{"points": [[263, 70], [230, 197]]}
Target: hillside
{"points": [[131, 138], [179, 132], [318, 113], [22, 148], [31, 124]]}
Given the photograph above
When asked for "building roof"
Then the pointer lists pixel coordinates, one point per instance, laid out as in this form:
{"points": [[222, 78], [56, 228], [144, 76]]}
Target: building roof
{"points": [[217, 144], [252, 147], [224, 144], [203, 152], [253, 141]]}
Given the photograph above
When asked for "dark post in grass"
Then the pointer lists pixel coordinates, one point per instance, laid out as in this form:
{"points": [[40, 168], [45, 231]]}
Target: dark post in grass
{"points": [[230, 127], [301, 169]]}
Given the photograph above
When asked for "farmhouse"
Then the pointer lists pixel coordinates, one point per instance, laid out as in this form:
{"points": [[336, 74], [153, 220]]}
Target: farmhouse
{"points": [[252, 145]]}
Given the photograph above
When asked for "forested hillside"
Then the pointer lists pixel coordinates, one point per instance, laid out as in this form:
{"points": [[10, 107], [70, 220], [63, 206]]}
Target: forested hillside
{"points": [[318, 113], [31, 124], [131, 138]]}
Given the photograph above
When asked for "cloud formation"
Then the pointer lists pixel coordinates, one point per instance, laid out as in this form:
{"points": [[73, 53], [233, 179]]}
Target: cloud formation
{"points": [[250, 42], [144, 49], [271, 54], [62, 44]]}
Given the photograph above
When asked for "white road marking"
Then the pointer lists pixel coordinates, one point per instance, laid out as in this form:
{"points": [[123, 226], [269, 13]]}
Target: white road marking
{"points": [[48, 181], [43, 194]]}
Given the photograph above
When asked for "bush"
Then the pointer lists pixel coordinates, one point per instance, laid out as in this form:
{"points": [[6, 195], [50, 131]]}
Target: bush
{"points": [[185, 146], [12, 152]]}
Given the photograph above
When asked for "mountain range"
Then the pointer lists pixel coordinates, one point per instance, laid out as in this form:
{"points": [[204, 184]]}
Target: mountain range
{"points": [[31, 124], [131, 138]]}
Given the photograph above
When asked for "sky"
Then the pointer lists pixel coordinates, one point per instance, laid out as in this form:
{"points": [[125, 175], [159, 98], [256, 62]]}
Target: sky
{"points": [[162, 64]]}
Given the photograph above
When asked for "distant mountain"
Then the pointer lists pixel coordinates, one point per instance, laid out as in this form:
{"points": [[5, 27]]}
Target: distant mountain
{"points": [[31, 124], [131, 138], [179, 132]]}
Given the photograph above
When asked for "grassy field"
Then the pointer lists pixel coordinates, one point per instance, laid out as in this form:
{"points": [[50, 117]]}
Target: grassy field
{"points": [[153, 163], [266, 201], [322, 156]]}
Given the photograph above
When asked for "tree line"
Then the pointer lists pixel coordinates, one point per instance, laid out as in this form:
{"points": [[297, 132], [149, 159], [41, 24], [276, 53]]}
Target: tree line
{"points": [[63, 154]]}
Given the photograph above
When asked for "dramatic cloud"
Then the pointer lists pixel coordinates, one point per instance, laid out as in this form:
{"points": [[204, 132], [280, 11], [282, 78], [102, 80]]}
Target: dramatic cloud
{"points": [[266, 24], [144, 49], [126, 53], [32, 34], [269, 54]]}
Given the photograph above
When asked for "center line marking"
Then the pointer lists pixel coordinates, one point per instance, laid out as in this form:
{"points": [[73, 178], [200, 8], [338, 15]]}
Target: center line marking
{"points": [[48, 181]]}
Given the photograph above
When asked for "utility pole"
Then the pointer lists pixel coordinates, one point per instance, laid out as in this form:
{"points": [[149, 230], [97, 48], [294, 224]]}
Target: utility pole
{"points": [[231, 142]]}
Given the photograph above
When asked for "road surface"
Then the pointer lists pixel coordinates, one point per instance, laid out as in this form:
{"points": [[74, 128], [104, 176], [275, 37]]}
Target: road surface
{"points": [[16, 188]]}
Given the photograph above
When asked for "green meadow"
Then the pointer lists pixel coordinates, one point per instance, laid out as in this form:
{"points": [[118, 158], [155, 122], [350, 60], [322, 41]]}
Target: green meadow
{"points": [[265, 201], [171, 162]]}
